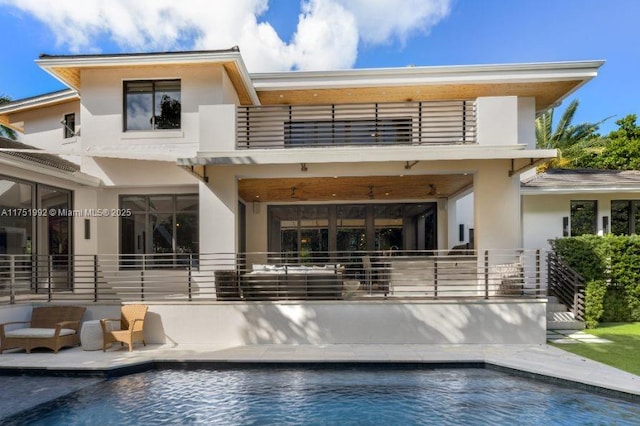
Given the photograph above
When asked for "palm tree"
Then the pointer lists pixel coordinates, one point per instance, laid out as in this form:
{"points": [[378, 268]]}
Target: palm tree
{"points": [[567, 138], [5, 131]]}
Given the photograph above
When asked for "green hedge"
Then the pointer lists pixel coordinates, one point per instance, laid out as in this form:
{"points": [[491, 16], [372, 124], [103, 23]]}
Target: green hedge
{"points": [[611, 267]]}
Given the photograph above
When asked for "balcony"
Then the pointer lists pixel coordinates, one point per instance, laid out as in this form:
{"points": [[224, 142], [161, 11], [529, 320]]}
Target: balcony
{"points": [[379, 124]]}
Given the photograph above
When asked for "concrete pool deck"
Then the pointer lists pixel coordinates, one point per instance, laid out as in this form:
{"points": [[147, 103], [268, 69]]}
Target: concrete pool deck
{"points": [[531, 360]]}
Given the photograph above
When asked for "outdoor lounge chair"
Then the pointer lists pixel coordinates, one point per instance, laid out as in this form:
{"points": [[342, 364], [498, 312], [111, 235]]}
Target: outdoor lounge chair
{"points": [[50, 327], [131, 327]]}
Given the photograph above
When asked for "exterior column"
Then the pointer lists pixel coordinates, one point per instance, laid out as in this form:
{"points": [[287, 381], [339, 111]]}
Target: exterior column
{"points": [[218, 208], [497, 207]]}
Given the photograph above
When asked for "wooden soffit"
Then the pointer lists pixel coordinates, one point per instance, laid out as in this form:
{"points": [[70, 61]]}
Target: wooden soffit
{"points": [[71, 76], [353, 188], [545, 93]]}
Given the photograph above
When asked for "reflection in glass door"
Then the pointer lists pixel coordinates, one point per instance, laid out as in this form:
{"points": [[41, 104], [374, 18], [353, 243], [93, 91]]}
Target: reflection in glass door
{"points": [[352, 228], [351, 232]]}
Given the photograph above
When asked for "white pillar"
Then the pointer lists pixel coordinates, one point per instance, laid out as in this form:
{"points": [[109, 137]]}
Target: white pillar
{"points": [[218, 208], [497, 207]]}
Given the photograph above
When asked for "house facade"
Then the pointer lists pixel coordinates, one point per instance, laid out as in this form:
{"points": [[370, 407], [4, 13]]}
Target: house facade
{"points": [[569, 203], [186, 155]]}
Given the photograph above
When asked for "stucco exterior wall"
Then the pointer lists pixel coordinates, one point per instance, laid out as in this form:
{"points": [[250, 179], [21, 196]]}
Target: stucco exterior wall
{"points": [[43, 128], [103, 103], [542, 214], [431, 322]]}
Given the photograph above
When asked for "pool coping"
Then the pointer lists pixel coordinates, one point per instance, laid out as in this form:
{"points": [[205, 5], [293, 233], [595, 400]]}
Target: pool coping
{"points": [[537, 362]]}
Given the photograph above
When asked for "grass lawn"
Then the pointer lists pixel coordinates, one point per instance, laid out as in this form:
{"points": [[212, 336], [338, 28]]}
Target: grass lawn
{"points": [[623, 353]]}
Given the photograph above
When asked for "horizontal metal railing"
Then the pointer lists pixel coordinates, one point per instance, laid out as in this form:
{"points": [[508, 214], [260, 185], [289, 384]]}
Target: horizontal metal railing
{"points": [[271, 276], [407, 123], [566, 284]]}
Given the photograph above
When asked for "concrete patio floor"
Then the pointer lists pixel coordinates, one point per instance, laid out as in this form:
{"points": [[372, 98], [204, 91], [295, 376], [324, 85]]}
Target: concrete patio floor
{"points": [[536, 361]]}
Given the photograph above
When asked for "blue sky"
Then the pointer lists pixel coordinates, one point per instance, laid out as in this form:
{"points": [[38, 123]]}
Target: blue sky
{"points": [[329, 34]]}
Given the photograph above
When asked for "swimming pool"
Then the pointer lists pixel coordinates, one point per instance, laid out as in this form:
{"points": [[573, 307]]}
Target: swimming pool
{"points": [[329, 396]]}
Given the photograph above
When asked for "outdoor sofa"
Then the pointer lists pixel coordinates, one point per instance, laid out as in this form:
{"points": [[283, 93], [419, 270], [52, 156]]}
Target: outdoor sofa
{"points": [[52, 327]]}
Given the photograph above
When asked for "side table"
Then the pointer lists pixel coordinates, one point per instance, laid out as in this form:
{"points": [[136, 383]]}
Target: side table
{"points": [[91, 335]]}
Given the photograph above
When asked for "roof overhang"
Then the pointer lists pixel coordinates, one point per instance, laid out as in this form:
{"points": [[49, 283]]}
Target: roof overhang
{"points": [[548, 83], [67, 68], [75, 177], [27, 104], [593, 189]]}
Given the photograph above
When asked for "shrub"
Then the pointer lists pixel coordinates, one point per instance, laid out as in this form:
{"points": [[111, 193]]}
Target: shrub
{"points": [[594, 302], [611, 267]]}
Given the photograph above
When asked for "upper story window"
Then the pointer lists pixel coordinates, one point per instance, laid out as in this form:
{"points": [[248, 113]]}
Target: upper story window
{"points": [[152, 105], [69, 125]]}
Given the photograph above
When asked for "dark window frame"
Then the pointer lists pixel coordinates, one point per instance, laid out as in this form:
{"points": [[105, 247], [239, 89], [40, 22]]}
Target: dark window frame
{"points": [[633, 207], [580, 205], [175, 255], [69, 125], [153, 83]]}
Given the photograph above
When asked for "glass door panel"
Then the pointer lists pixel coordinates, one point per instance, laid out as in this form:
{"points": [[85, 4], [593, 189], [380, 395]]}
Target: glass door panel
{"points": [[388, 222]]}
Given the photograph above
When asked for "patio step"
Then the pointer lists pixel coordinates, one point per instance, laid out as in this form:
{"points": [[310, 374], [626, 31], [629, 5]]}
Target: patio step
{"points": [[565, 325], [559, 317]]}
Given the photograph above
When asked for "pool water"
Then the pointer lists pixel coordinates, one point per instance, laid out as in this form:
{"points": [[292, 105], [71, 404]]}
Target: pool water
{"points": [[329, 396]]}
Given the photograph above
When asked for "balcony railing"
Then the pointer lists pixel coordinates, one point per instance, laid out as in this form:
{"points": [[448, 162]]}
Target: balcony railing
{"points": [[272, 276], [408, 123]]}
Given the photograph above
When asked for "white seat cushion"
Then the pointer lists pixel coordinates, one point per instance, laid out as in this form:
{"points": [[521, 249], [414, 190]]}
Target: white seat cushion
{"points": [[38, 332]]}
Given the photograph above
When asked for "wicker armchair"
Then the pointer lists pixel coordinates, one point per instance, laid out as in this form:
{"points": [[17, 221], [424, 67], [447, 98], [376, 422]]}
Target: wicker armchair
{"points": [[131, 327]]}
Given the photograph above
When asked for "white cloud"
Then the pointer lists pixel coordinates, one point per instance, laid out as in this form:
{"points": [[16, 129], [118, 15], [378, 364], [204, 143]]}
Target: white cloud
{"points": [[327, 35]]}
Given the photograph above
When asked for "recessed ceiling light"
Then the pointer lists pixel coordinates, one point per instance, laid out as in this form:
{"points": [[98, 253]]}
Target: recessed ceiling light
{"points": [[333, 195], [257, 196]]}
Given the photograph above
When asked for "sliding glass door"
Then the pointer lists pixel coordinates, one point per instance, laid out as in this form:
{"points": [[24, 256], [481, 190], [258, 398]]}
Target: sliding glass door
{"points": [[352, 227]]}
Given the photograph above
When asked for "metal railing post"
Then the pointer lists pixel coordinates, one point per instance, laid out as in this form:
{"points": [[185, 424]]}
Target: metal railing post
{"points": [[144, 266], [486, 274], [189, 275], [538, 274], [95, 277], [49, 270], [435, 276], [12, 279]]}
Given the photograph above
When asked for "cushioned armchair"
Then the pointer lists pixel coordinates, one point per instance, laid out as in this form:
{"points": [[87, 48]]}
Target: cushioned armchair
{"points": [[52, 327], [131, 327]]}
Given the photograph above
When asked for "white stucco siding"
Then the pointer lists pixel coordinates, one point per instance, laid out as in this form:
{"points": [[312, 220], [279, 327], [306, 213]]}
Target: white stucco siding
{"points": [[542, 214], [542, 219], [496, 207], [43, 128], [460, 213], [217, 128], [103, 104], [527, 122], [124, 172], [506, 120], [218, 209]]}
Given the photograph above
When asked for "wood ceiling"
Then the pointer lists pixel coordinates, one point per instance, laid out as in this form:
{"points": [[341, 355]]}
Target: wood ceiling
{"points": [[546, 93], [353, 188]]}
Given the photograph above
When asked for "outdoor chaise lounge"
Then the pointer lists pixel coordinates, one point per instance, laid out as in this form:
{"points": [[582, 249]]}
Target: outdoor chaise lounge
{"points": [[50, 327], [131, 327]]}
